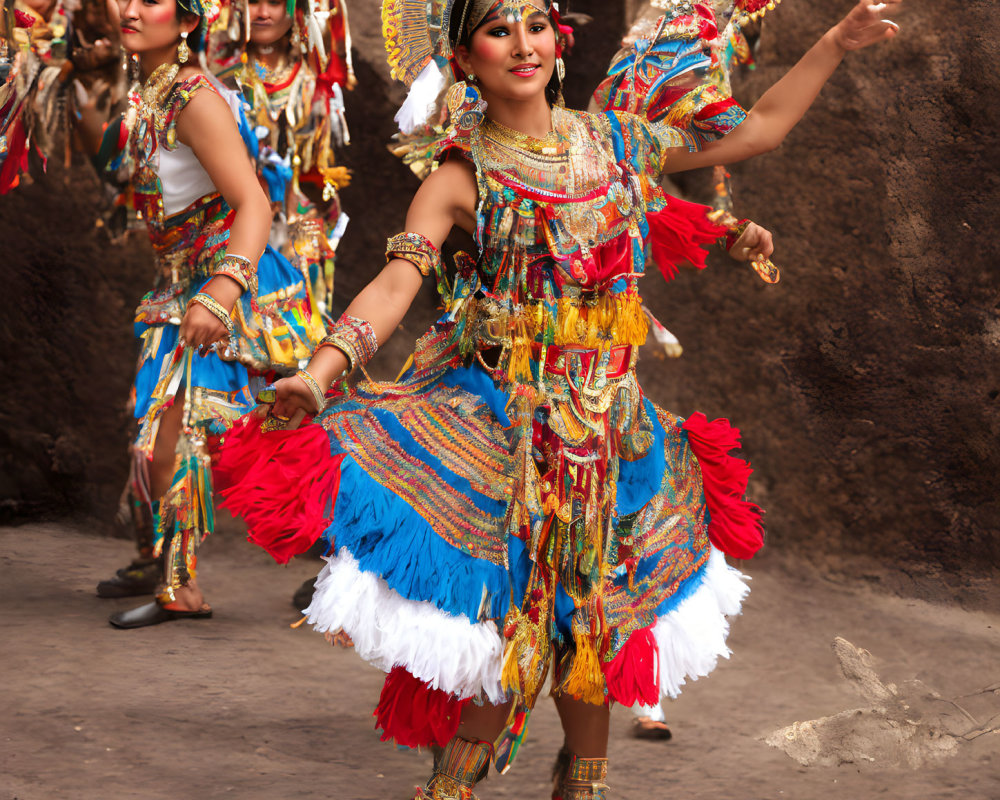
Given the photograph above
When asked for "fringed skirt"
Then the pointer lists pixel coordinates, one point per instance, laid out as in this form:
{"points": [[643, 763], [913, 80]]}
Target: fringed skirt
{"points": [[412, 486]]}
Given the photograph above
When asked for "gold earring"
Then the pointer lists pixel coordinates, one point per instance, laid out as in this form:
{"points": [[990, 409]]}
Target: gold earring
{"points": [[560, 69], [465, 106], [471, 77], [183, 51]]}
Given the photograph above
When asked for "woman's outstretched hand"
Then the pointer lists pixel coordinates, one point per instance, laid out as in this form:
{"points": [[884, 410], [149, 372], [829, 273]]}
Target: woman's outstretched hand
{"points": [[754, 244], [867, 24], [292, 400]]}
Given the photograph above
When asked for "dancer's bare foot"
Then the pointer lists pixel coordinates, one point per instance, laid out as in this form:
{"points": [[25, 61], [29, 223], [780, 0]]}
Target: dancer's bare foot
{"points": [[649, 728], [187, 598]]}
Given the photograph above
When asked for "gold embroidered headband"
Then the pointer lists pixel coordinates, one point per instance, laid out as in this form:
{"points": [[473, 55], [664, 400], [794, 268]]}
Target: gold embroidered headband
{"points": [[511, 10]]}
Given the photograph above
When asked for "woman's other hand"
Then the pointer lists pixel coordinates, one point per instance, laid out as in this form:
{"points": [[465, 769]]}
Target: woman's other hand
{"points": [[867, 24], [754, 244], [200, 328], [292, 402]]}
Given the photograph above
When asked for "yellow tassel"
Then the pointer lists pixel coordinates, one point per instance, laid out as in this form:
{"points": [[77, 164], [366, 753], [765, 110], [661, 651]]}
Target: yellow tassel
{"points": [[632, 323], [519, 368], [567, 328], [510, 675], [585, 681], [608, 312]]}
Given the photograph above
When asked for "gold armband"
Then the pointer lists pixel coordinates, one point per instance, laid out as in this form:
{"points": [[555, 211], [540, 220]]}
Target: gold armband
{"points": [[416, 249]]}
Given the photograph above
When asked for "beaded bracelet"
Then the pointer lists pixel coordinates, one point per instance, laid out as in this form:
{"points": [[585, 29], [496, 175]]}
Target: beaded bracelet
{"points": [[215, 307], [313, 385], [240, 270], [735, 232], [416, 249], [355, 338]]}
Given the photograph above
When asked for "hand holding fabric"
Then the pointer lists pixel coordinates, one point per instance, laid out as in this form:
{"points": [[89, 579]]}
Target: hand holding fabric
{"points": [[285, 403]]}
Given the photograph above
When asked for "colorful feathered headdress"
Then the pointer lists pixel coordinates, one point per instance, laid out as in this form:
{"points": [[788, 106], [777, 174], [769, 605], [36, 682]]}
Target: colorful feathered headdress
{"points": [[420, 51]]}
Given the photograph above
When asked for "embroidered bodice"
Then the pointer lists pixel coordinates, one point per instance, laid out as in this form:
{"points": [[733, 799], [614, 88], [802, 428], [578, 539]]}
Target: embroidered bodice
{"points": [[561, 229], [167, 176]]}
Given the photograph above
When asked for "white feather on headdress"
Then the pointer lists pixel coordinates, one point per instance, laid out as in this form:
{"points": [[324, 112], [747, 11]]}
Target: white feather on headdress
{"points": [[422, 98]]}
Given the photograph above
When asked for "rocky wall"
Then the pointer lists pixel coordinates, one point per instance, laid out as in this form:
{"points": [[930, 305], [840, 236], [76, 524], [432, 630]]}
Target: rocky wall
{"points": [[866, 383]]}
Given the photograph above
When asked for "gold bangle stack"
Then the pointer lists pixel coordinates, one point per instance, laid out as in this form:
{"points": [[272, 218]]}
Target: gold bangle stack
{"points": [[215, 307], [355, 338], [313, 385], [240, 270]]}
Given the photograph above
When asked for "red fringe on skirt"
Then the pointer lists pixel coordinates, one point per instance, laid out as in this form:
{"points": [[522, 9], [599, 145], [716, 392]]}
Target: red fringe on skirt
{"points": [[735, 524], [282, 483]]}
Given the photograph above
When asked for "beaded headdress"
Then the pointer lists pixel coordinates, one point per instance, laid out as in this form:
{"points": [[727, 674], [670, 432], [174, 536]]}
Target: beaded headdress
{"points": [[421, 53]]}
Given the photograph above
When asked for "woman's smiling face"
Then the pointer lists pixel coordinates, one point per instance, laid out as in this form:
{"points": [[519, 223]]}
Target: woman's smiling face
{"points": [[511, 58]]}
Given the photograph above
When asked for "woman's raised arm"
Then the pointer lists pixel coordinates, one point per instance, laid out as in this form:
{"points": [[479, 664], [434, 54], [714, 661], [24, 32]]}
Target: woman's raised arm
{"points": [[784, 104]]}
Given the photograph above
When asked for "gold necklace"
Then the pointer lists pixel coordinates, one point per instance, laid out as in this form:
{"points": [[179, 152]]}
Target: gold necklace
{"points": [[150, 100], [155, 88], [499, 133], [276, 75]]}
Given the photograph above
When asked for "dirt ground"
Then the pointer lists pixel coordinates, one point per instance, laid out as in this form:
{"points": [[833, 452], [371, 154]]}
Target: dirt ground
{"points": [[243, 706]]}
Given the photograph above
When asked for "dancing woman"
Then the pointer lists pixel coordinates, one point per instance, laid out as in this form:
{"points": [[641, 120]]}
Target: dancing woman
{"points": [[297, 69], [204, 335], [514, 504]]}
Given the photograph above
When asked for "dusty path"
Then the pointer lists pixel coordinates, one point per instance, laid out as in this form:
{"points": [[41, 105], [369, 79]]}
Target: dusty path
{"points": [[242, 706]]}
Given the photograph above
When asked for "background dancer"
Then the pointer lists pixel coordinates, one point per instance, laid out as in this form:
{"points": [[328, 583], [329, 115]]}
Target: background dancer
{"points": [[204, 333], [515, 503], [294, 80]]}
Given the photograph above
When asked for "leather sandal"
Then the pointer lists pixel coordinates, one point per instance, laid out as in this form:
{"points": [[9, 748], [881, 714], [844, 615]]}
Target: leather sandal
{"points": [[153, 614]]}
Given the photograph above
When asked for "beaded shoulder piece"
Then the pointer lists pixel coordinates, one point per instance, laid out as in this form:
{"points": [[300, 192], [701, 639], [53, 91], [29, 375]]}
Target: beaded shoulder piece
{"points": [[176, 101], [154, 125]]}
